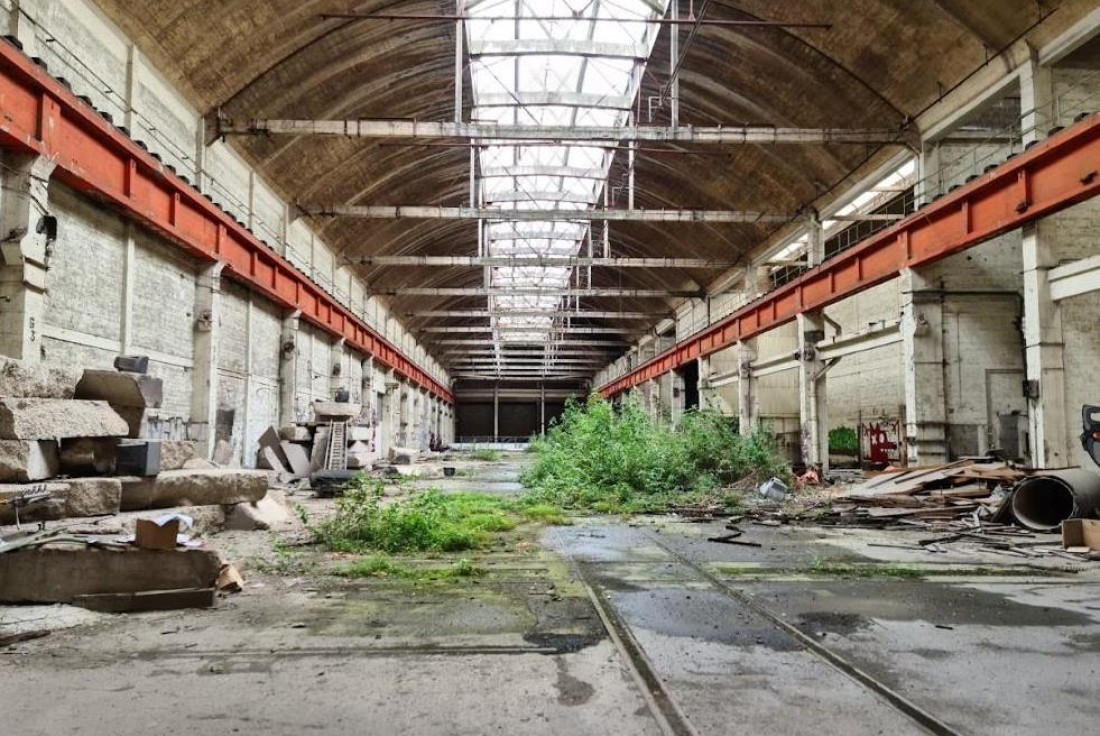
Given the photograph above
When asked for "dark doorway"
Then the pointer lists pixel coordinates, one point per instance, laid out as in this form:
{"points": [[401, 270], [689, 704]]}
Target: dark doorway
{"points": [[690, 374]]}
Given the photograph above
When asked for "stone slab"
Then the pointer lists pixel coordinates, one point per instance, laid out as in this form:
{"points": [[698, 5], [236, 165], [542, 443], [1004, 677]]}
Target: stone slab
{"points": [[194, 488], [359, 455], [270, 439], [149, 600], [48, 419], [174, 453], [47, 510], [34, 380], [23, 461], [268, 459], [335, 410], [46, 575], [121, 389], [298, 459], [89, 456], [72, 498]]}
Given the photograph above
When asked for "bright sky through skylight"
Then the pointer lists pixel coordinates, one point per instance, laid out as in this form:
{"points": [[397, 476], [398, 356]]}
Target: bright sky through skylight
{"points": [[536, 77]]}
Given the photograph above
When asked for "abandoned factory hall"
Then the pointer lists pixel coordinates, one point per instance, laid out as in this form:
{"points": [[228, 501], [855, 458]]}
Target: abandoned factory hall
{"points": [[550, 367]]}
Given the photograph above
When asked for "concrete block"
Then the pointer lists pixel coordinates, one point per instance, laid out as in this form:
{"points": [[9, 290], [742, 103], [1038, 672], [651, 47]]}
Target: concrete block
{"points": [[298, 458], [136, 419], [47, 575], [360, 433], [403, 455], [193, 488], [323, 410], [138, 457], [267, 513], [92, 497], [174, 453], [23, 461], [270, 440], [89, 456], [121, 389], [295, 433], [71, 498], [47, 510], [32, 380], [267, 459], [359, 455], [47, 419], [320, 448]]}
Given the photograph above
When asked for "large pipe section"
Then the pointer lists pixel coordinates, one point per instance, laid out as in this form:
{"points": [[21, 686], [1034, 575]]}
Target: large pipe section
{"points": [[1043, 501]]}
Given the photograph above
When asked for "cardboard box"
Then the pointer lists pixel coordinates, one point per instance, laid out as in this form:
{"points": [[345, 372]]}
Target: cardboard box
{"points": [[1079, 533], [151, 535]]}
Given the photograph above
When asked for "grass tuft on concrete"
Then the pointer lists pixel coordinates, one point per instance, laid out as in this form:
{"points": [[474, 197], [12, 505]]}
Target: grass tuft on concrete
{"points": [[385, 568], [427, 522], [487, 456]]}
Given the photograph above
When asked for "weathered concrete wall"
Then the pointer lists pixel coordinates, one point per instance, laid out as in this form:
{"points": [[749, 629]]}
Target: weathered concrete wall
{"points": [[114, 288]]}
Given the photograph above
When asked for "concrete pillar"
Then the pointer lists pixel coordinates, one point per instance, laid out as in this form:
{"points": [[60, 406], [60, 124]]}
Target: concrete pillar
{"points": [[21, 25], [338, 381], [1044, 353], [815, 241], [812, 404], [25, 252], [923, 365], [288, 370], [496, 411], [747, 414], [1037, 101], [708, 397], [542, 408], [206, 338]]}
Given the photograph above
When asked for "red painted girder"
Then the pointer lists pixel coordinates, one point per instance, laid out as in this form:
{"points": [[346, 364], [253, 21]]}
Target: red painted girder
{"points": [[1060, 172], [40, 116]]}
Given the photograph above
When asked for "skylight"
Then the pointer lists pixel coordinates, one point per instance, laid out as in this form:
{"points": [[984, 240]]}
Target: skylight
{"points": [[580, 69]]}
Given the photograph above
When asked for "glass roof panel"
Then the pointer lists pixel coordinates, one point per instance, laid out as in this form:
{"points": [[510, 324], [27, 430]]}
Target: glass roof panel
{"points": [[529, 74]]}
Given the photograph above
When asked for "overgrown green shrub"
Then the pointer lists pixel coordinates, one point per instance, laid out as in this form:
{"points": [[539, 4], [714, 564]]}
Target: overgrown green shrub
{"points": [[604, 459]]}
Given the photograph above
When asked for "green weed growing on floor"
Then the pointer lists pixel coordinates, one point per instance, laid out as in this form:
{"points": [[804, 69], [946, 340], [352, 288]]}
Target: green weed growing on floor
{"points": [[486, 455], [383, 567], [607, 460], [427, 522]]}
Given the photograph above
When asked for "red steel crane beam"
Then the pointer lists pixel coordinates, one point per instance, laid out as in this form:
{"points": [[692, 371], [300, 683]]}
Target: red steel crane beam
{"points": [[39, 116], [1060, 172]]}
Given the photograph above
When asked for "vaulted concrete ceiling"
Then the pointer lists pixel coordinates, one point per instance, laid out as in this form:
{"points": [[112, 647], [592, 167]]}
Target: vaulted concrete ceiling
{"points": [[882, 63]]}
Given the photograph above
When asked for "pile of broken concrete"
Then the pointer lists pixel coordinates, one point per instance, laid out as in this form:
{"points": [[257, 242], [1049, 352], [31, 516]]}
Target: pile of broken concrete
{"points": [[78, 451]]}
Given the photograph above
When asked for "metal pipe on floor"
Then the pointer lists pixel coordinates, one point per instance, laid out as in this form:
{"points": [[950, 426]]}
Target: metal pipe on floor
{"points": [[1043, 501]]}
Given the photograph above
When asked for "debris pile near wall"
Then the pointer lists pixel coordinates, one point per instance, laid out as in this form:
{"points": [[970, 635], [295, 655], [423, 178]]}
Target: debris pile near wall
{"points": [[79, 454]]}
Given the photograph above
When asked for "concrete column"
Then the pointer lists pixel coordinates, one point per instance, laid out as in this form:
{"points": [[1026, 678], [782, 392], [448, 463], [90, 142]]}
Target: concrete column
{"points": [[25, 253], [496, 411], [288, 370], [813, 407], [338, 381], [1037, 101], [815, 242], [1044, 353], [708, 397], [204, 388], [923, 365], [542, 408], [21, 26], [747, 415]]}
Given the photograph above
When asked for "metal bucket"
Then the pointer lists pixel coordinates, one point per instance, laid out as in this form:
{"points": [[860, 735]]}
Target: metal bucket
{"points": [[1043, 501]]}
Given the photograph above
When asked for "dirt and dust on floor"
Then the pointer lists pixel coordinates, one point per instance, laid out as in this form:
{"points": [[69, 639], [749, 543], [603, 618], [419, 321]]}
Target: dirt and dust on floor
{"points": [[452, 603]]}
